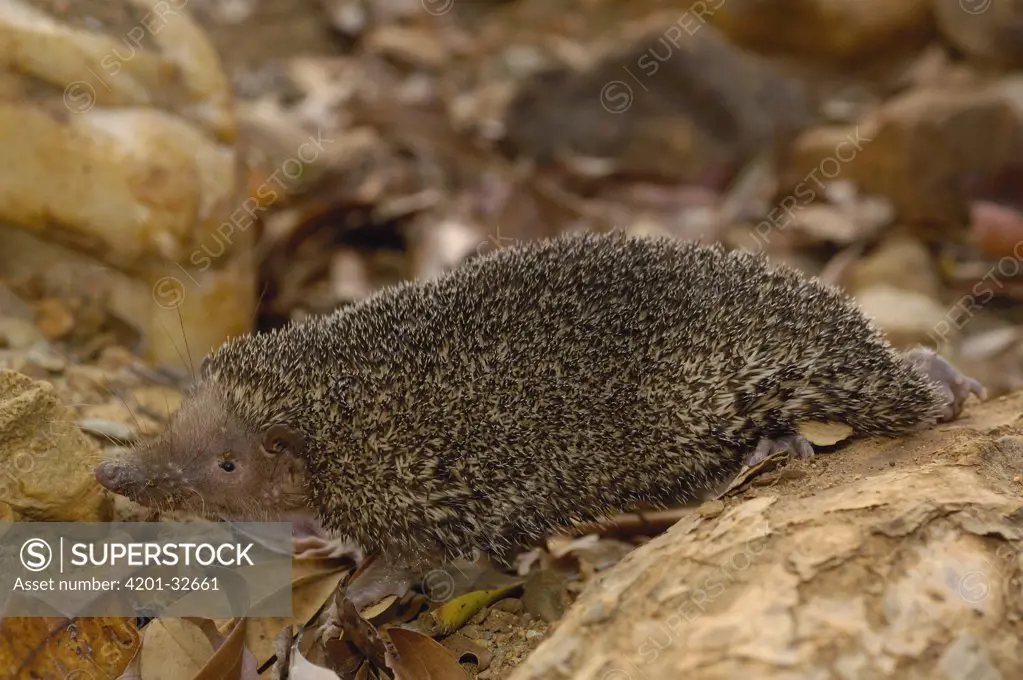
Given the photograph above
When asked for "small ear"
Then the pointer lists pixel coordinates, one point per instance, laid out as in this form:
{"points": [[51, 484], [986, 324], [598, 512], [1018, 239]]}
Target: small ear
{"points": [[279, 439]]}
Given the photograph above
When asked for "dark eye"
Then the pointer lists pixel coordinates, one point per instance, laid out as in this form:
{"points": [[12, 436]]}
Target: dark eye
{"points": [[227, 465]]}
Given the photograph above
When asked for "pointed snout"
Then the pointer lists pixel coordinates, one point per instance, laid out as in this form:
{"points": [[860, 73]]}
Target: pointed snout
{"points": [[114, 476]]}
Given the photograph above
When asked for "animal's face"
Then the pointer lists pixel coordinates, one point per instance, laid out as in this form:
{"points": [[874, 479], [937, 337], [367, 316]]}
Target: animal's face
{"points": [[209, 463]]}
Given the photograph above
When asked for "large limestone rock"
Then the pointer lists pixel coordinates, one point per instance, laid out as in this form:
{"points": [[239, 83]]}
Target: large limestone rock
{"points": [[886, 559], [117, 156]]}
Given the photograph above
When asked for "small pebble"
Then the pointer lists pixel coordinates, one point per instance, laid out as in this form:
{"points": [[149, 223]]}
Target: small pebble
{"points": [[107, 429], [87, 379], [46, 359], [595, 612], [711, 508], [115, 358], [18, 333], [509, 604], [544, 595], [54, 318]]}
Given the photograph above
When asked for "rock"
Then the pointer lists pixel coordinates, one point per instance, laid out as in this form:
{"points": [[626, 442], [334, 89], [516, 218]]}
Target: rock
{"points": [[927, 151], [544, 595], [115, 359], [416, 46], [512, 605], [18, 333], [899, 261], [118, 153], [801, 580], [669, 105], [46, 463], [42, 356], [985, 30], [54, 318], [107, 429], [907, 318], [830, 29], [88, 380]]}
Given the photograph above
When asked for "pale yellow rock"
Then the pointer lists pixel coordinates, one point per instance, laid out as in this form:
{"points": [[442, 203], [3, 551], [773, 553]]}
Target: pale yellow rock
{"points": [[899, 261], [904, 560], [117, 154], [907, 318], [180, 315], [46, 463]]}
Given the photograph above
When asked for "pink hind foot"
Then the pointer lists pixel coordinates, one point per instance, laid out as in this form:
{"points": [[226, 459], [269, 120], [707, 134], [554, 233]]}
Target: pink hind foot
{"points": [[796, 445], [956, 386]]}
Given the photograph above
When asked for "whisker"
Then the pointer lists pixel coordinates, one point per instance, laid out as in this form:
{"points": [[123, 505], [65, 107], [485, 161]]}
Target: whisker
{"points": [[177, 350], [188, 350]]}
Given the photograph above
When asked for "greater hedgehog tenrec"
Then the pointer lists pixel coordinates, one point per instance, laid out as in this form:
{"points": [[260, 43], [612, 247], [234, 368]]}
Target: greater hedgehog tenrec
{"points": [[537, 386]]}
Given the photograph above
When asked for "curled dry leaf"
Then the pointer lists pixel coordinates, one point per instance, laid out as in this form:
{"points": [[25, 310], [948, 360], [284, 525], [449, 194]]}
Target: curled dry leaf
{"points": [[313, 582], [229, 661], [414, 656], [302, 669], [587, 554], [361, 633]]}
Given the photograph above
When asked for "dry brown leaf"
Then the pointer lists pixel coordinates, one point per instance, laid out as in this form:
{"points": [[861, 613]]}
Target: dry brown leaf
{"points": [[313, 583], [226, 663], [303, 669], [33, 648], [173, 649], [362, 633], [418, 657]]}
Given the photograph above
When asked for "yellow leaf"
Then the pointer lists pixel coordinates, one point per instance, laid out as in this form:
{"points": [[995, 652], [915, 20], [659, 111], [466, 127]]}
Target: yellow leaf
{"points": [[452, 615]]}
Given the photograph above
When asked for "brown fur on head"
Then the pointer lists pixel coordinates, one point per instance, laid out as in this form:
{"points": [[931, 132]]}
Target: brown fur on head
{"points": [[211, 463]]}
